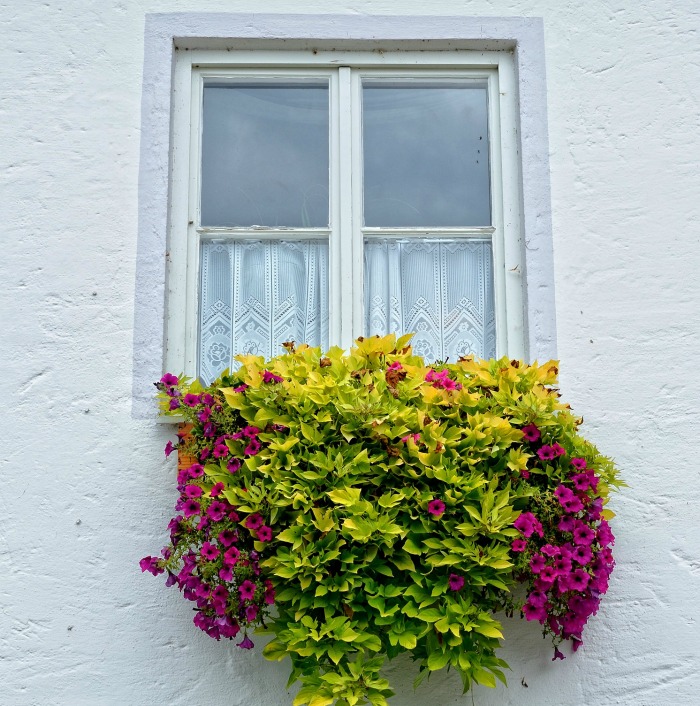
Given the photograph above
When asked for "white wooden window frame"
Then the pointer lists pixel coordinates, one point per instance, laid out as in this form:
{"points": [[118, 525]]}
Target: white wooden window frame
{"points": [[345, 73], [168, 35]]}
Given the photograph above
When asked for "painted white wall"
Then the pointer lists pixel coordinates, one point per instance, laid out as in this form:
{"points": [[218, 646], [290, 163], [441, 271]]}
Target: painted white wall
{"points": [[85, 489]]}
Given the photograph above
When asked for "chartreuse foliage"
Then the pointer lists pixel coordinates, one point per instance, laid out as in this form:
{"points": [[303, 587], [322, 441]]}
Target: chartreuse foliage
{"points": [[391, 488]]}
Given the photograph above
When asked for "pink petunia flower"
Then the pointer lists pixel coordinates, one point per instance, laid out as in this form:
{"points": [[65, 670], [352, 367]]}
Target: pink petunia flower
{"points": [[216, 490], [566, 524], [532, 612], [264, 533], [191, 400], [269, 377], [253, 447], [254, 521], [221, 451], [579, 579], [209, 551], [227, 537], [537, 563], [233, 465], [191, 508], [456, 582], [579, 463], [546, 453], [519, 545], [247, 590], [531, 433], [226, 573], [583, 534], [231, 556], [169, 379], [169, 448], [394, 366], [436, 507], [559, 450], [241, 388], [581, 481], [217, 510], [572, 505], [246, 644], [150, 564]]}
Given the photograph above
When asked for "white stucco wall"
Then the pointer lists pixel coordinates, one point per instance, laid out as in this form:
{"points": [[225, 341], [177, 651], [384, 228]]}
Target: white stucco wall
{"points": [[85, 489]]}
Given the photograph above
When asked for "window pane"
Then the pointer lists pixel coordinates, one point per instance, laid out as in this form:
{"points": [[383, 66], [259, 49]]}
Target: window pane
{"points": [[425, 155], [265, 155], [440, 290], [255, 295]]}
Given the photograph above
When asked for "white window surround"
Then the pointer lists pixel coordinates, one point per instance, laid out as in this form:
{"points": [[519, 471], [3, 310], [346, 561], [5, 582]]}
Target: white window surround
{"points": [[513, 45]]}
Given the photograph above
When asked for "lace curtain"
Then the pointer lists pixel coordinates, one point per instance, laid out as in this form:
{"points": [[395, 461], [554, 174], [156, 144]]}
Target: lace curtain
{"points": [[255, 295], [440, 290]]}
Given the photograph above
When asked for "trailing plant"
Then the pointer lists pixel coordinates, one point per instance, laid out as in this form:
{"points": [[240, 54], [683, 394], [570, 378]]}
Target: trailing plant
{"points": [[362, 505]]}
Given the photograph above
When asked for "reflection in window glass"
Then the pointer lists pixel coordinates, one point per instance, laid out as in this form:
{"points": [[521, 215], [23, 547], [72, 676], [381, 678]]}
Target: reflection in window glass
{"points": [[265, 155], [425, 155]]}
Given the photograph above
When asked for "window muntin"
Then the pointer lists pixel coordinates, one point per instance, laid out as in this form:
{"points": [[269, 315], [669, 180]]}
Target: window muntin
{"points": [[346, 234]]}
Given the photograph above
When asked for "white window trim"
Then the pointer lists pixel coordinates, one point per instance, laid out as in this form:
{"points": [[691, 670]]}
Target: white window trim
{"points": [[522, 227]]}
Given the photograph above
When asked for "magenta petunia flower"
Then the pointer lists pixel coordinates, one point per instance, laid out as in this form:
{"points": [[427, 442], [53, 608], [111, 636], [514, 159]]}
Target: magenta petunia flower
{"points": [[579, 579], [254, 521], [193, 491], [546, 453], [226, 573], [173, 404], [169, 448], [246, 644], [241, 388], [191, 508], [525, 474], [233, 465], [562, 565], [217, 510], [558, 654], [532, 612], [550, 550], [209, 551], [191, 400], [250, 432], [221, 451], [271, 377], [270, 596], [169, 379], [566, 524], [394, 366], [582, 554], [247, 590], [579, 463], [216, 489], [537, 563], [518, 545], [583, 534], [572, 505], [436, 507], [253, 447], [264, 533], [456, 582], [231, 556], [196, 470], [558, 449], [547, 575], [204, 415], [528, 524], [581, 481], [150, 564], [251, 612], [531, 432], [537, 598], [605, 536]]}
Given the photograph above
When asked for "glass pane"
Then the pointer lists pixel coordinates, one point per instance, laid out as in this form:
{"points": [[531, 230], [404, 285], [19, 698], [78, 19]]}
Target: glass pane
{"points": [[425, 155], [265, 155], [440, 290], [255, 295]]}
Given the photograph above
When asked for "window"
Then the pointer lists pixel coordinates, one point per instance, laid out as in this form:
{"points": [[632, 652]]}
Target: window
{"points": [[326, 202], [389, 174]]}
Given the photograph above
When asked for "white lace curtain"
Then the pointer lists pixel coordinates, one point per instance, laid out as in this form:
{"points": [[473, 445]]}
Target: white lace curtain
{"points": [[255, 295], [440, 290]]}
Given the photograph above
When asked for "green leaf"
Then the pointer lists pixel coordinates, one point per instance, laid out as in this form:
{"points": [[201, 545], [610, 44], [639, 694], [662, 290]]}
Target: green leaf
{"points": [[438, 660]]}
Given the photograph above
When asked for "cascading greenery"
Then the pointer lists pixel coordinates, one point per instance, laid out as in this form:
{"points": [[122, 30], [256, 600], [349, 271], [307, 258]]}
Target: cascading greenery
{"points": [[400, 502]]}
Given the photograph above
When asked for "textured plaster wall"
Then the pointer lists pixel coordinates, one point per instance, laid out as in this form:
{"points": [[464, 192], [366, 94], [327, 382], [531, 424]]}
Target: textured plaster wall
{"points": [[85, 490]]}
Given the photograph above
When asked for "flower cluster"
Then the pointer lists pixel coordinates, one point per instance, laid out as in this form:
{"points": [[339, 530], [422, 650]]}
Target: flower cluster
{"points": [[564, 553], [212, 556], [382, 505]]}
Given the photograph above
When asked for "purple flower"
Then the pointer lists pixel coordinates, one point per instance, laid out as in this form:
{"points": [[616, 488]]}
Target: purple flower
{"points": [[579, 463], [271, 377], [265, 533], [246, 644], [174, 404], [456, 582], [253, 447], [169, 379], [436, 507], [169, 448], [241, 388], [254, 521], [547, 575], [221, 451], [251, 612], [528, 524], [196, 470], [583, 534], [209, 551], [150, 564], [579, 579], [191, 508], [562, 493], [566, 524], [193, 491], [605, 536], [559, 450], [546, 453], [394, 366], [204, 415], [531, 432], [226, 573], [532, 612], [573, 505], [558, 654], [551, 550], [233, 465], [562, 566], [518, 545], [247, 590], [231, 556], [191, 400], [537, 563], [250, 432], [227, 537], [217, 510], [216, 489], [581, 481], [537, 598]]}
